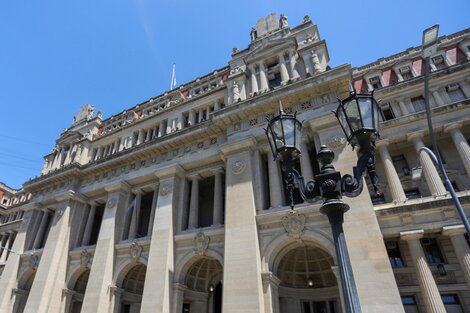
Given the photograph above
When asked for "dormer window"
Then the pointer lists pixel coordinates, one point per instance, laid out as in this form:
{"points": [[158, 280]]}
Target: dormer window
{"points": [[406, 73], [375, 82], [438, 62]]}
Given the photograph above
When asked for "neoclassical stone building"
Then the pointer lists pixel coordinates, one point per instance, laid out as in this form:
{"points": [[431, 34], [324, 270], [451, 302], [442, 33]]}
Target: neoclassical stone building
{"points": [[176, 205]]}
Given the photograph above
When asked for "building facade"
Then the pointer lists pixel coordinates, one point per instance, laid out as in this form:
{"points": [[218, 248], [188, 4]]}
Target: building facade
{"points": [[176, 204]]}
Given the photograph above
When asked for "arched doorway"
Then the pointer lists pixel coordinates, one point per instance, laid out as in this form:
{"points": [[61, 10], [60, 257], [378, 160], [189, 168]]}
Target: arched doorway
{"points": [[204, 287], [22, 292], [79, 288], [307, 281], [132, 289]]}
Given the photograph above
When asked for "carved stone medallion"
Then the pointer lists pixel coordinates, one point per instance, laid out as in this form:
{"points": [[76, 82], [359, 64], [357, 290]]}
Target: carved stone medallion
{"points": [[238, 167], [294, 224], [85, 258], [165, 190], [112, 203], [135, 251], [201, 242]]}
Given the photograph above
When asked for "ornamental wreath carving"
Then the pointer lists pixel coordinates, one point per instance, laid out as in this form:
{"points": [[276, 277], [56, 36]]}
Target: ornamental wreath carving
{"points": [[135, 251], [85, 258], [294, 224], [112, 203], [238, 167], [201, 242], [165, 190]]}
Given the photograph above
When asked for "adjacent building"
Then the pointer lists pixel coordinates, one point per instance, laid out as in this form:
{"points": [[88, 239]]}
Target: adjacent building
{"points": [[176, 204]]}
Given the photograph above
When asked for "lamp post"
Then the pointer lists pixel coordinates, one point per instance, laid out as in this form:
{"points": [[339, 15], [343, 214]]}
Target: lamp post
{"points": [[358, 117], [430, 36]]}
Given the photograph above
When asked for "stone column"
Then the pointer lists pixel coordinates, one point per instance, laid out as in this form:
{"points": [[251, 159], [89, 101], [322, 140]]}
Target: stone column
{"points": [[283, 70], [46, 292], [140, 138], [99, 152], [276, 192], [305, 163], [158, 287], [460, 143], [192, 118], [148, 134], [89, 225], [5, 245], [161, 129], [293, 66], [404, 110], [8, 279], [67, 294], [308, 65], [431, 174], [254, 81], [437, 98], [115, 301], [218, 216], [135, 219], [263, 79], [271, 293], [41, 231], [97, 295], [194, 202], [461, 248], [117, 145], [394, 185], [153, 209], [427, 285], [178, 297], [316, 62], [243, 288]]}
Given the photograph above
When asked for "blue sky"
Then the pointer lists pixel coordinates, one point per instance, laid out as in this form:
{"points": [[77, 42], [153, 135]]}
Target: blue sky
{"points": [[56, 56]]}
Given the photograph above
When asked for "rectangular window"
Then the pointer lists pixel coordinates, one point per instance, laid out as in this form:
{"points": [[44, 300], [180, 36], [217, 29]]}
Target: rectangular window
{"points": [[455, 92], [387, 112], [438, 62], [394, 255], [408, 300], [418, 104], [95, 228], [412, 194], [375, 82], [406, 73], [432, 251]]}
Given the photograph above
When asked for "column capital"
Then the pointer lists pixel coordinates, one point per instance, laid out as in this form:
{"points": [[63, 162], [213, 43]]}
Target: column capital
{"points": [[453, 230], [170, 171], [179, 287], [119, 186], [238, 146], [382, 143], [411, 234], [451, 126], [68, 293], [194, 176], [67, 195], [270, 278], [413, 136], [217, 170], [137, 190]]}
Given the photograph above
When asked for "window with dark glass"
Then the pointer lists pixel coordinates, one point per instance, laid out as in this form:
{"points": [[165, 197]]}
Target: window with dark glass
{"points": [[406, 73], [408, 300], [438, 62], [375, 82], [387, 112], [394, 255], [450, 299], [418, 104], [412, 194], [455, 92], [432, 251]]}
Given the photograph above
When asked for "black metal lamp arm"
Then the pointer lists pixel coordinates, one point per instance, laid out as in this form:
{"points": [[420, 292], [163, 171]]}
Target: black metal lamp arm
{"points": [[352, 185]]}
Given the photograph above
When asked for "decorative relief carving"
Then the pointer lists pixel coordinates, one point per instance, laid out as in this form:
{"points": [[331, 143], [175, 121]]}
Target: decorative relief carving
{"points": [[112, 203], [135, 251], [238, 167], [294, 224], [85, 258], [201, 242], [32, 261], [213, 141], [336, 142], [165, 190]]}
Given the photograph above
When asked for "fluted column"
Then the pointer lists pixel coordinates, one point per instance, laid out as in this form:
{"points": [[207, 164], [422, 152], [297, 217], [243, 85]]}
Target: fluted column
{"points": [[437, 97], [283, 70], [89, 225], [394, 185], [427, 284], [308, 65], [305, 163], [153, 209], [135, 220], [192, 118], [194, 202], [254, 81], [6, 243], [433, 180], [460, 143], [293, 66], [161, 129], [263, 79], [140, 138], [218, 198], [461, 248], [275, 183]]}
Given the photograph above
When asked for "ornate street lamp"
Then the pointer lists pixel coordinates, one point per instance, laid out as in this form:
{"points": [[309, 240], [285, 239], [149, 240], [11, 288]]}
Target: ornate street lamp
{"points": [[358, 117]]}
